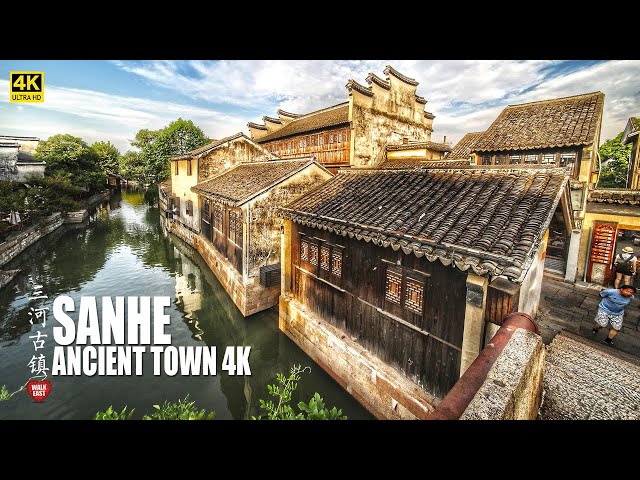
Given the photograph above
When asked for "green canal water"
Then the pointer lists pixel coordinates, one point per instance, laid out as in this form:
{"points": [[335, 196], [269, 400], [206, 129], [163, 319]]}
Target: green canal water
{"points": [[123, 252]]}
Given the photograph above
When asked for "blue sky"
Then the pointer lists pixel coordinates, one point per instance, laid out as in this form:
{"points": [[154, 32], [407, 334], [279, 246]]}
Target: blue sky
{"points": [[112, 100]]}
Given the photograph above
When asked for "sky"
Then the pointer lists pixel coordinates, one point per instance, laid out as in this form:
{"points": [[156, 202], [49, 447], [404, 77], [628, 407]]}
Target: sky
{"points": [[112, 100]]}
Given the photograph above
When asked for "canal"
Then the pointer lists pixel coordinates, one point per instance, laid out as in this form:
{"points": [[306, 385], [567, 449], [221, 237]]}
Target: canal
{"points": [[122, 251]]}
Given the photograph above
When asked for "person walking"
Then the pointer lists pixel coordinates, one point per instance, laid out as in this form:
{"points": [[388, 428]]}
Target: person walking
{"points": [[611, 309], [626, 265]]}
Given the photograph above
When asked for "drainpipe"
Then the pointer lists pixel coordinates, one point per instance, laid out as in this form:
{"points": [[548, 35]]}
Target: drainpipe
{"points": [[459, 397]]}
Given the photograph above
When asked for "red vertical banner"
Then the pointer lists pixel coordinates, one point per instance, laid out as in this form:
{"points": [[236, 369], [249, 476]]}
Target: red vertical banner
{"points": [[603, 244]]}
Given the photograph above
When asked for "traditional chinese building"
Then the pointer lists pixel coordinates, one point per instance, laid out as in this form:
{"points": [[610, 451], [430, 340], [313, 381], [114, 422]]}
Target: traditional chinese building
{"points": [[463, 150], [240, 232], [17, 160], [355, 132], [392, 279], [561, 132], [202, 163], [612, 219], [418, 151]]}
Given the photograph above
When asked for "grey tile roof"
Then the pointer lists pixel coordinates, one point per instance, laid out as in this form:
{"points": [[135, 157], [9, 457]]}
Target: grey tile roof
{"points": [[560, 122], [621, 196], [243, 182], [489, 221], [463, 147], [408, 163], [435, 146], [327, 117]]}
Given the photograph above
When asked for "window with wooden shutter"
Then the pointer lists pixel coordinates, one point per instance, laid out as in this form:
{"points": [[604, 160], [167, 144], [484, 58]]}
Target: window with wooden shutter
{"points": [[188, 167], [313, 255], [393, 285], [304, 250], [414, 295], [177, 167], [218, 213], [325, 255], [235, 228], [336, 261]]}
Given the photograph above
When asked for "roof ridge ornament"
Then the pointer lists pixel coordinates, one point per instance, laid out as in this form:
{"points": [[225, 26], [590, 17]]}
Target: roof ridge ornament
{"points": [[389, 70], [373, 78], [353, 85]]}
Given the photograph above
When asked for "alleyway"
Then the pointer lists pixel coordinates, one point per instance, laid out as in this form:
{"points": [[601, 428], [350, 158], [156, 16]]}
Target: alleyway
{"points": [[572, 308]]}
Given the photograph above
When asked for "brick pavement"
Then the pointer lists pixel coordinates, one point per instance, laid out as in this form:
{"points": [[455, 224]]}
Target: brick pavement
{"points": [[572, 308]]}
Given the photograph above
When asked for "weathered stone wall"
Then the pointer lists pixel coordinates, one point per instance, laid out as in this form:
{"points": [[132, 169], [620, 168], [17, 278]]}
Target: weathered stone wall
{"points": [[230, 154], [25, 171], [382, 390], [384, 118], [15, 245], [264, 231], [249, 297], [8, 159], [513, 387]]}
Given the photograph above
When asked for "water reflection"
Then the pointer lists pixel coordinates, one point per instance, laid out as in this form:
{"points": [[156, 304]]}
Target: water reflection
{"points": [[122, 250]]}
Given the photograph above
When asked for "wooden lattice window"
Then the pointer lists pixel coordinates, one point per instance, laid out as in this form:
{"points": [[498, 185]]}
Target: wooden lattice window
{"points": [[313, 255], [568, 160], [531, 159], [320, 140], [218, 213], [414, 295], [549, 159], [325, 255], [304, 250], [235, 228], [501, 159], [393, 286], [515, 159], [336, 262], [486, 160]]}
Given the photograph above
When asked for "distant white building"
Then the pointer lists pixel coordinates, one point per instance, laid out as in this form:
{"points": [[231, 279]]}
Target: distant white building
{"points": [[17, 160]]}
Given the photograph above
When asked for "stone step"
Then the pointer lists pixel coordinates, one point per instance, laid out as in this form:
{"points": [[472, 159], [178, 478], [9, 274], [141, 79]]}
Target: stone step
{"points": [[587, 380]]}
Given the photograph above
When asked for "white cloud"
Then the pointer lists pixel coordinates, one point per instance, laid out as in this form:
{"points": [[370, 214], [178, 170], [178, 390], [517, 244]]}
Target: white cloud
{"points": [[100, 116], [464, 95]]}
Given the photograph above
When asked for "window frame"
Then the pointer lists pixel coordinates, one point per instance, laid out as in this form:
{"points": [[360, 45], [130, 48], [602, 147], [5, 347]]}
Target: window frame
{"points": [[189, 168]]}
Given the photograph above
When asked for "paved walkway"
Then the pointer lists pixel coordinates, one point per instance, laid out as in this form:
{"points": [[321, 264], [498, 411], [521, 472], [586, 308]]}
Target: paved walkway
{"points": [[565, 307], [587, 380]]}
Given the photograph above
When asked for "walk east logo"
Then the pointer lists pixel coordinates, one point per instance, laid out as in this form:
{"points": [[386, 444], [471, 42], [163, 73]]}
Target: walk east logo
{"points": [[39, 389], [26, 87]]}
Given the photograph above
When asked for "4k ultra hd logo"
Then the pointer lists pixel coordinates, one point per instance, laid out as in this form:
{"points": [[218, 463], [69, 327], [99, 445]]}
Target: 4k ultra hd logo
{"points": [[26, 87]]}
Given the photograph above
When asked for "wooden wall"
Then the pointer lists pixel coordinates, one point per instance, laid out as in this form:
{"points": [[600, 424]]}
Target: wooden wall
{"points": [[220, 238], [427, 347], [331, 147]]}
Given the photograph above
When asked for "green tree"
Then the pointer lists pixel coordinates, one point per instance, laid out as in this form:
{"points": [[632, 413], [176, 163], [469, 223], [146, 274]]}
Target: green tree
{"points": [[157, 146], [131, 167], [51, 194], [616, 156], [108, 156], [11, 196], [70, 157]]}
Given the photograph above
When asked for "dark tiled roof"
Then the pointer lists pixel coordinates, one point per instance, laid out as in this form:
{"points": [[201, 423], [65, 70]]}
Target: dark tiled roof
{"points": [[272, 120], [257, 126], [353, 85], [288, 114], [420, 163], [421, 100], [621, 196], [373, 78], [243, 182], [463, 147], [392, 71], [429, 115], [436, 147], [327, 117], [560, 122], [209, 146], [489, 221]]}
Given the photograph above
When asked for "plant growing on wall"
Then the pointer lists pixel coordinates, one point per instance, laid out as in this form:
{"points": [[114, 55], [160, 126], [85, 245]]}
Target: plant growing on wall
{"points": [[265, 225], [280, 408]]}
